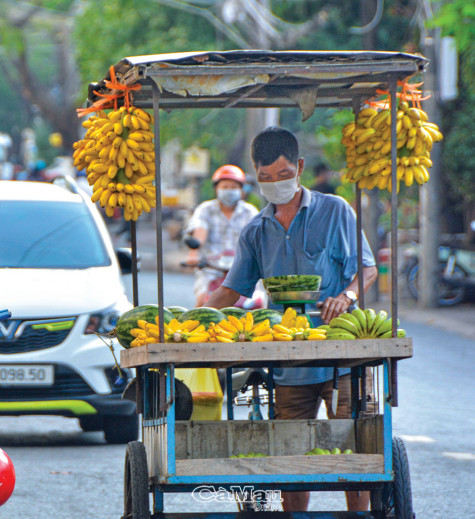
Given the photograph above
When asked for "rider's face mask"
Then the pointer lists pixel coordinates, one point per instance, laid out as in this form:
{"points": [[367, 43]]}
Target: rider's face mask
{"points": [[228, 197], [281, 191]]}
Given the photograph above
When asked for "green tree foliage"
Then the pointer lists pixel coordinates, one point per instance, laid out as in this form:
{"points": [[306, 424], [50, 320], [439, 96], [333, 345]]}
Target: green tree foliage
{"points": [[456, 18]]}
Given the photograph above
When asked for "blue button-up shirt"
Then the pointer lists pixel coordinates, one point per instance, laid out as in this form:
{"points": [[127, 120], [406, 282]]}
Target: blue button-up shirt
{"points": [[320, 240]]}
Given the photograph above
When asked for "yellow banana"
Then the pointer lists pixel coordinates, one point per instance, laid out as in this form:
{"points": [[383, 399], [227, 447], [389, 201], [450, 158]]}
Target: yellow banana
{"points": [[236, 323], [263, 338], [282, 337], [115, 116], [104, 197]]}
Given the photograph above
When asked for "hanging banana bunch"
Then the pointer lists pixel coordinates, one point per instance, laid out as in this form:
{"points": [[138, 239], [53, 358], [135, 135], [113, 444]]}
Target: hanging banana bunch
{"points": [[368, 147], [118, 155]]}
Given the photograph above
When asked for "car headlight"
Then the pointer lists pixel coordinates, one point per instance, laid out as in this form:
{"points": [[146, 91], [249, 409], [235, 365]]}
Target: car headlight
{"points": [[102, 322]]}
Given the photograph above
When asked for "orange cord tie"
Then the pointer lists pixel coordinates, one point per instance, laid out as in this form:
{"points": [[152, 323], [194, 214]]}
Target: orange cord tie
{"points": [[409, 93], [110, 100]]}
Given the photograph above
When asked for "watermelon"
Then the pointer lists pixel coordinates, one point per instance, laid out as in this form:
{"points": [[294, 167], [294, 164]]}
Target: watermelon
{"points": [[292, 283], [261, 314], [177, 310], [233, 310], [205, 315], [129, 320]]}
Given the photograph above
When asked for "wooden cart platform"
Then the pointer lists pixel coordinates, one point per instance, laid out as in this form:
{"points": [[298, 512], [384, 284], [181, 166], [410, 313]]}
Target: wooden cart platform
{"points": [[342, 354]]}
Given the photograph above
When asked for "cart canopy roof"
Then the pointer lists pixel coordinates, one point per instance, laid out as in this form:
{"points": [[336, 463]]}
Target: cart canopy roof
{"points": [[260, 78]]}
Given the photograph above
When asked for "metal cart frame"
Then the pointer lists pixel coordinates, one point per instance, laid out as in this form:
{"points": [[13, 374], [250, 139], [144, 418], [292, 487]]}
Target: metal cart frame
{"points": [[252, 79]]}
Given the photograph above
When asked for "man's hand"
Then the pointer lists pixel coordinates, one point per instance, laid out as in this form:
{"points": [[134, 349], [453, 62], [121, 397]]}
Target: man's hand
{"points": [[333, 307]]}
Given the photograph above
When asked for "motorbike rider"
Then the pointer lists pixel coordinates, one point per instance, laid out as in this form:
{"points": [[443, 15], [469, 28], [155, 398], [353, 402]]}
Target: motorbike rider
{"points": [[217, 223]]}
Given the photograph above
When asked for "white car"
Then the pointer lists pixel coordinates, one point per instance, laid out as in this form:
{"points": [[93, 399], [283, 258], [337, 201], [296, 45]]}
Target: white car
{"points": [[61, 281]]}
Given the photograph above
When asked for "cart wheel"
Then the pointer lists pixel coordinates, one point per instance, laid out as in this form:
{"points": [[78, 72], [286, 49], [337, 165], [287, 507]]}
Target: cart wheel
{"points": [[136, 495], [397, 496]]}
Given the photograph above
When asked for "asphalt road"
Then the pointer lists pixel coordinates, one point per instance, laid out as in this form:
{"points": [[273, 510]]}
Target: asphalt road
{"points": [[64, 473]]}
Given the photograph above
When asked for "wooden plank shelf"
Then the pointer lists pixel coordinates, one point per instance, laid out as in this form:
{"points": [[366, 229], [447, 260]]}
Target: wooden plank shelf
{"points": [[324, 464], [344, 353]]}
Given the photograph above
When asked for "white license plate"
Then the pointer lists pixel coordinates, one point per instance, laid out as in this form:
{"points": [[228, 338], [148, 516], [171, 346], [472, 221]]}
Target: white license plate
{"points": [[26, 375]]}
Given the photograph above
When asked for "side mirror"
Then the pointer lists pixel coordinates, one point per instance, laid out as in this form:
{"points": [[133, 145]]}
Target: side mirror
{"points": [[124, 257], [192, 243]]}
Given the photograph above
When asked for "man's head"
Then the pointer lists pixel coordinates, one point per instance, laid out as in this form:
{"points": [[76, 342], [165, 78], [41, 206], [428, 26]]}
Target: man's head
{"points": [[275, 154], [271, 143], [228, 181]]}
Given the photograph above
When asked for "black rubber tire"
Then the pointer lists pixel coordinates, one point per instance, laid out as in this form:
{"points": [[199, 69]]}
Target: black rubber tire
{"points": [[448, 296], [397, 496], [136, 488], [121, 429], [91, 422]]}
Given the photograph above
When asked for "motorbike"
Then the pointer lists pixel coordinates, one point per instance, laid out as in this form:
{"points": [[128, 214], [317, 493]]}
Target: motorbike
{"points": [[222, 263], [456, 271]]}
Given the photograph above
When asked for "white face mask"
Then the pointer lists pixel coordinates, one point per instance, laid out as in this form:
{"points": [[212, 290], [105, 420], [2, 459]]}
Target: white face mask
{"points": [[280, 192], [229, 197]]}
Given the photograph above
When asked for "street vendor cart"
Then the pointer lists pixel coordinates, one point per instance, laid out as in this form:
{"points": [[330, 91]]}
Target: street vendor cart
{"points": [[183, 455]]}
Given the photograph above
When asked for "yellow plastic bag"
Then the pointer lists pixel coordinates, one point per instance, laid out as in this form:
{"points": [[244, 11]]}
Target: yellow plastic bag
{"points": [[206, 390]]}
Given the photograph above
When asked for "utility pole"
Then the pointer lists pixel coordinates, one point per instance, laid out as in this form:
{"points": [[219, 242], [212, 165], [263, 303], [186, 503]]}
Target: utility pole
{"points": [[429, 211]]}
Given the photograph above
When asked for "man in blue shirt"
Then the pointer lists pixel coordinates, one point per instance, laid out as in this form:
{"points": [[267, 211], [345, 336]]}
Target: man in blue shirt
{"points": [[299, 232]]}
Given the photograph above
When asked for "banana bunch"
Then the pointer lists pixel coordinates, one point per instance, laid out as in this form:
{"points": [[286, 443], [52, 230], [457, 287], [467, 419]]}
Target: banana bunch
{"points": [[233, 329], [361, 324], [174, 331], [291, 319], [118, 155], [284, 333], [368, 147]]}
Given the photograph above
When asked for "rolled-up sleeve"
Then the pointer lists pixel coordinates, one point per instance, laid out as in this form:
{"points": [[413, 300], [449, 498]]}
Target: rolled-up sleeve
{"points": [[244, 273], [200, 218]]}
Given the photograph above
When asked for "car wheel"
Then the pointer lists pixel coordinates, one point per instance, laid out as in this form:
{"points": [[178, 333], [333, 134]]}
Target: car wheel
{"points": [[121, 429], [90, 423]]}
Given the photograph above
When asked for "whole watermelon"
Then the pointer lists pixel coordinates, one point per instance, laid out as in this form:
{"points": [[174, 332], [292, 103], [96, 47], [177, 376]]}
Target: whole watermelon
{"points": [[205, 315], [233, 310], [177, 310], [129, 320], [261, 314]]}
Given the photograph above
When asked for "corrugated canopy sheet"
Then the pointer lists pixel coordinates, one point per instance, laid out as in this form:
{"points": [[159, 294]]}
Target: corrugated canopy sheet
{"points": [[257, 78]]}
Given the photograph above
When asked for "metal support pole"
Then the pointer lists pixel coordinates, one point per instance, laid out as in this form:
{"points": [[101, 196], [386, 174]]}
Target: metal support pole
{"points": [[394, 287], [359, 226], [133, 243], [158, 209]]}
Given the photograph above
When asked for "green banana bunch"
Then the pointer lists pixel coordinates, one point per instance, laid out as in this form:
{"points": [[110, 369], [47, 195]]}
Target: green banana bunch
{"points": [[361, 324]]}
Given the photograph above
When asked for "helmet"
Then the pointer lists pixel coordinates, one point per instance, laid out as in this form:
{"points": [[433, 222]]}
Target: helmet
{"points": [[229, 172]]}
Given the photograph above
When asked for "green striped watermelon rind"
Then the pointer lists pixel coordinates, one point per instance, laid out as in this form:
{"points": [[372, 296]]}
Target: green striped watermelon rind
{"points": [[261, 314], [129, 319], [233, 310], [293, 282], [177, 310], [204, 314]]}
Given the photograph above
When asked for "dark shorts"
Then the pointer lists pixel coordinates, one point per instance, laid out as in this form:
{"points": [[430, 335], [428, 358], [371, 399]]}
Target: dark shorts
{"points": [[302, 402]]}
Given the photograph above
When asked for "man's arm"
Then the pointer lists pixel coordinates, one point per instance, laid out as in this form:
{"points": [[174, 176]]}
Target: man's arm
{"points": [[334, 306], [222, 297]]}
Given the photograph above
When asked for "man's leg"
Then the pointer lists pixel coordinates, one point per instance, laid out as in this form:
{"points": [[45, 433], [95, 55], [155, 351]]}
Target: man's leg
{"points": [[356, 501], [295, 403]]}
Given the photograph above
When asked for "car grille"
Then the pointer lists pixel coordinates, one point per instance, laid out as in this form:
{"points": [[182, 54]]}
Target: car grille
{"points": [[67, 383], [28, 338]]}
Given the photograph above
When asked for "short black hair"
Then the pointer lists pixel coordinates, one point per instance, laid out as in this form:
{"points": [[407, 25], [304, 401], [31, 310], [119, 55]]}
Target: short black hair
{"points": [[273, 142]]}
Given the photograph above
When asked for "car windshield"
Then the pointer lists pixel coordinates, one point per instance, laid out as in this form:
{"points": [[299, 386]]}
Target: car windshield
{"points": [[55, 235]]}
